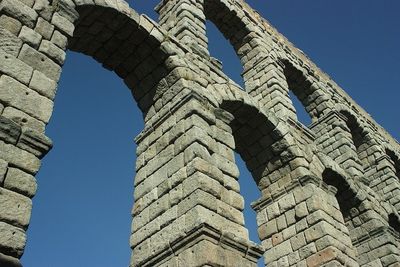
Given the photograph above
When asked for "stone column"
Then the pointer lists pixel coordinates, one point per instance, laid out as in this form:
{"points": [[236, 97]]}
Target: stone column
{"points": [[376, 242], [383, 179], [333, 137], [301, 226], [185, 20], [188, 210], [266, 82], [32, 43]]}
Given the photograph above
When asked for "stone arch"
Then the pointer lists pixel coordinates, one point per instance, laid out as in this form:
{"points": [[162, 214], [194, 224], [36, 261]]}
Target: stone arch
{"points": [[388, 173], [133, 46], [245, 37], [313, 98], [265, 74], [187, 195], [346, 192], [99, 32], [360, 139], [384, 174], [270, 152], [394, 222], [362, 214], [395, 160], [235, 26], [347, 198]]}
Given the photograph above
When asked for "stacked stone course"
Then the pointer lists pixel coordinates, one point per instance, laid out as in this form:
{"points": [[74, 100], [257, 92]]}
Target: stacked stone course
{"points": [[330, 190]]}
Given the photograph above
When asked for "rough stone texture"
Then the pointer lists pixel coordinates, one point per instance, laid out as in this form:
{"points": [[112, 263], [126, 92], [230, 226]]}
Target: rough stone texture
{"points": [[9, 42], [20, 182], [12, 239], [30, 37], [330, 190], [19, 96], [15, 208]]}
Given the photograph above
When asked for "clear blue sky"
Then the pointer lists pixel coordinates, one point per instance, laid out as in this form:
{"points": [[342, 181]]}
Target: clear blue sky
{"points": [[81, 214]]}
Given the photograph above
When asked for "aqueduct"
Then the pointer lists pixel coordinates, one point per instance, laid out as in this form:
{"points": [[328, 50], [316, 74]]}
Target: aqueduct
{"points": [[330, 191]]}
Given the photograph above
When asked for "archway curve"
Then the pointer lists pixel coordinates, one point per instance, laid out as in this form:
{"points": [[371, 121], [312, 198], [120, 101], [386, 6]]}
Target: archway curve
{"points": [[142, 59], [347, 193], [314, 99], [394, 223], [248, 39], [395, 159], [360, 206], [361, 136], [245, 37], [393, 154], [235, 25], [265, 144], [93, 125], [145, 59]]}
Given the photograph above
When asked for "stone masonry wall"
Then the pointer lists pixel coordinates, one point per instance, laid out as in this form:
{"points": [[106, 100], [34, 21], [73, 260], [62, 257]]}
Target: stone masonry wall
{"points": [[330, 190]]}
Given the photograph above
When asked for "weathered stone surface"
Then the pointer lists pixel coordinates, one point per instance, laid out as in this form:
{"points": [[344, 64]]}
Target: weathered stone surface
{"points": [[44, 28], [19, 157], [62, 24], [9, 42], [44, 9], [50, 49], [11, 24], [21, 97], [329, 191], [30, 37], [19, 11], [60, 40], [9, 130], [23, 119], [29, 3], [14, 67], [34, 142], [12, 239], [15, 209], [43, 85], [21, 182], [40, 62]]}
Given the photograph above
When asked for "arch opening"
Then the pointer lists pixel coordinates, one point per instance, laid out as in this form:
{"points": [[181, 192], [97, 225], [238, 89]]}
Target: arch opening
{"points": [[121, 44], [263, 148], [302, 94], [359, 138], [344, 195], [301, 112], [225, 57], [85, 182], [395, 161], [347, 200], [254, 141], [224, 54], [236, 31], [251, 193], [394, 223]]}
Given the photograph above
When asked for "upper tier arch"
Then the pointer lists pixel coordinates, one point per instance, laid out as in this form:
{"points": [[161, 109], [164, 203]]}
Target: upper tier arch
{"points": [[133, 46]]}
